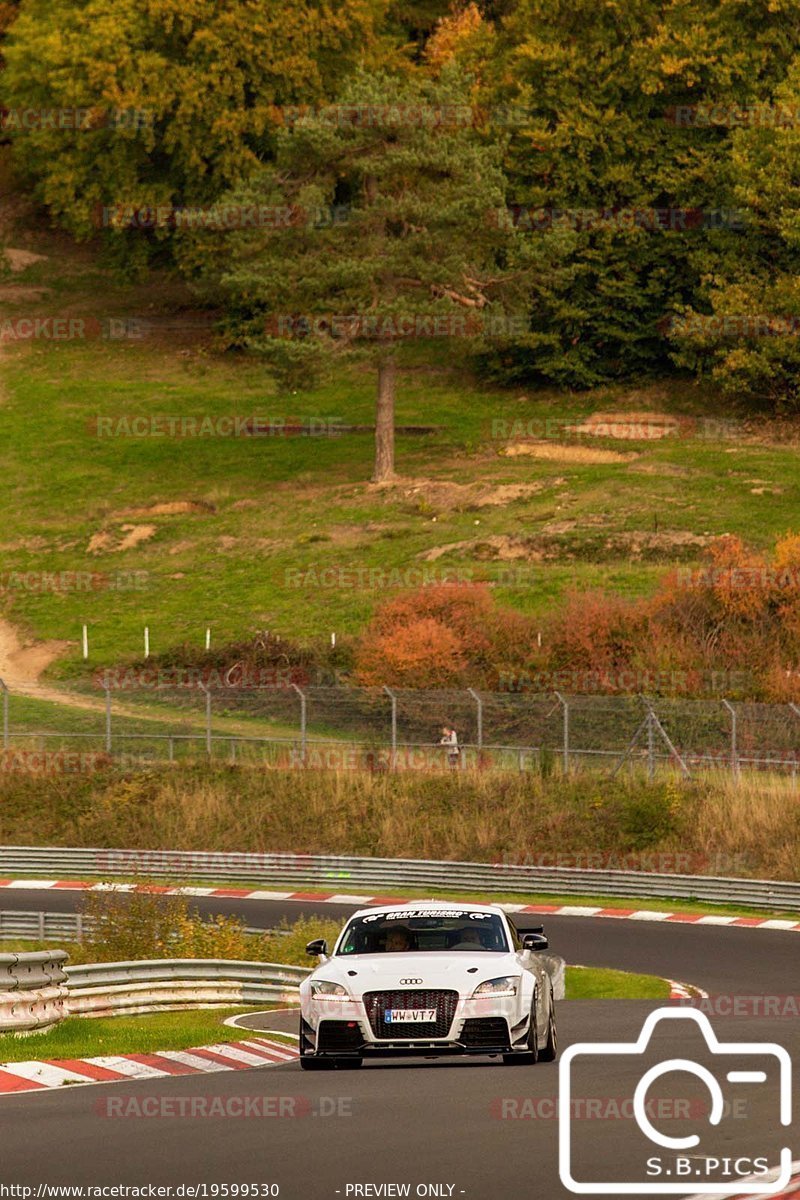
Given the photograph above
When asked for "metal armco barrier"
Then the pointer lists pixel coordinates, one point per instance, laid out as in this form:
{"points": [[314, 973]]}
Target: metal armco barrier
{"points": [[33, 994], [341, 875], [71, 927], [164, 985]]}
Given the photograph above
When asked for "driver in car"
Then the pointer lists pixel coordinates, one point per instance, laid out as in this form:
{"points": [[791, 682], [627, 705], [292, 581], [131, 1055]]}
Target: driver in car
{"points": [[398, 939], [469, 938]]}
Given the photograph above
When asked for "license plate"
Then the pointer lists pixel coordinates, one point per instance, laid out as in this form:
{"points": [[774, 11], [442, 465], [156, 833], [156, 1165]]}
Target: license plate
{"points": [[422, 1016]]}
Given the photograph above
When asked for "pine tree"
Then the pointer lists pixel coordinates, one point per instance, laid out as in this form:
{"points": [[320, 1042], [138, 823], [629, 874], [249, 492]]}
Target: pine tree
{"points": [[396, 235]]}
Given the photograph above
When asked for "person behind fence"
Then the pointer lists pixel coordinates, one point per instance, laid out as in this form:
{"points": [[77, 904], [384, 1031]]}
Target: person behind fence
{"points": [[449, 739]]}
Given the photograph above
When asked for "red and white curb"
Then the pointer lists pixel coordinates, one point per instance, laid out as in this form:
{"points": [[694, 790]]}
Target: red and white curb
{"points": [[554, 910], [39, 1074]]}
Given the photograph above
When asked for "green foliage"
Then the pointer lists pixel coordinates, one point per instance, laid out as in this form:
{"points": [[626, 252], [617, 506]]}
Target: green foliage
{"points": [[410, 240], [147, 924], [289, 945], [198, 88]]}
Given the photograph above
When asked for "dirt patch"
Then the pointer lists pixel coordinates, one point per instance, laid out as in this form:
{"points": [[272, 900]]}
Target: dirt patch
{"points": [[20, 260], [445, 496], [171, 508], [555, 452], [182, 547], [21, 661], [19, 293], [555, 545], [633, 426], [127, 537], [241, 505], [498, 547], [668, 470]]}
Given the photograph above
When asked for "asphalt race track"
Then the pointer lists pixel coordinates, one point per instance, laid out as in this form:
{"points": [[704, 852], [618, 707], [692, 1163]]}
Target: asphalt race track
{"points": [[473, 1128]]}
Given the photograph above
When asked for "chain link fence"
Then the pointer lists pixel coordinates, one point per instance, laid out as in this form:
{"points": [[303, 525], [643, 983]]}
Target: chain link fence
{"points": [[383, 729]]}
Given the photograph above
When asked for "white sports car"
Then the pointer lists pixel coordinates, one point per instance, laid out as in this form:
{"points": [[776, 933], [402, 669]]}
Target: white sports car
{"points": [[427, 978]]}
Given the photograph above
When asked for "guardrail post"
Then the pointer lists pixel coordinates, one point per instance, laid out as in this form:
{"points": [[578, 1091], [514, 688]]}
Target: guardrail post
{"points": [[5, 714], [302, 696], [393, 699], [107, 691], [479, 706], [734, 740], [565, 750]]}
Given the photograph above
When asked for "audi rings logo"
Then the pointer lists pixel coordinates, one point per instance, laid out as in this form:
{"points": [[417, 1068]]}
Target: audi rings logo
{"points": [[411, 981]]}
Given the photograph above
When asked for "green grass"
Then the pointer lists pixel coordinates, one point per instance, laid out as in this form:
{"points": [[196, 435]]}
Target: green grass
{"points": [[274, 506], [600, 983], [80, 1037]]}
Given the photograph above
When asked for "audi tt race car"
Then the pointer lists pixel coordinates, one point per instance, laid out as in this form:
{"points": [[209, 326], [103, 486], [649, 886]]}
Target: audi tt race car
{"points": [[427, 978]]}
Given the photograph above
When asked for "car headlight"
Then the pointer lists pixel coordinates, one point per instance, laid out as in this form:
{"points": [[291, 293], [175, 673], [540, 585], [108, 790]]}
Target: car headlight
{"points": [[323, 989], [506, 985]]}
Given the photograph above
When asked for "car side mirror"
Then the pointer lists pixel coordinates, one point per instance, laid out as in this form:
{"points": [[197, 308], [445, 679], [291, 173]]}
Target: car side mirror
{"points": [[534, 941], [318, 947]]}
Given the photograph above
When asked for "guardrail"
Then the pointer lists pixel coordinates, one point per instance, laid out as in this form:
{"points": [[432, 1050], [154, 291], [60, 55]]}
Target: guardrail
{"points": [[168, 985], [341, 874], [165, 985], [71, 927], [32, 990]]}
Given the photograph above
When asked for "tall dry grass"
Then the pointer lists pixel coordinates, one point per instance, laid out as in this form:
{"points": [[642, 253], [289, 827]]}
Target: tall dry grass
{"points": [[710, 825]]}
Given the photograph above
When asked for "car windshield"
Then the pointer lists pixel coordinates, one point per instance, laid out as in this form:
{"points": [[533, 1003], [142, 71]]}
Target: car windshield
{"points": [[413, 930]]}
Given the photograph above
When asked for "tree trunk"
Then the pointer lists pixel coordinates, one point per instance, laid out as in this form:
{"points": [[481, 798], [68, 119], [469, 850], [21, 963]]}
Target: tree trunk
{"points": [[384, 421]]}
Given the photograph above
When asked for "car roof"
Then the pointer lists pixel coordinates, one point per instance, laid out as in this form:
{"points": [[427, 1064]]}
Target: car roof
{"points": [[439, 906]]}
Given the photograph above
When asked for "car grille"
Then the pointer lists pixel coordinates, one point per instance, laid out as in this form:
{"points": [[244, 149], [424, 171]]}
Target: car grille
{"points": [[378, 1002], [339, 1035], [485, 1031]]}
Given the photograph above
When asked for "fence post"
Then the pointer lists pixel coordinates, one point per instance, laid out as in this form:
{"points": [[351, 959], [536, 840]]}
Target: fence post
{"points": [[85, 641], [107, 691], [734, 740], [208, 718], [479, 704], [796, 712], [651, 766], [302, 696], [393, 699], [5, 714], [565, 707]]}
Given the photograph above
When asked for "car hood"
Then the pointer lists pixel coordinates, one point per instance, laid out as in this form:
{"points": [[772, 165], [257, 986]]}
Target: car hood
{"points": [[459, 969]]}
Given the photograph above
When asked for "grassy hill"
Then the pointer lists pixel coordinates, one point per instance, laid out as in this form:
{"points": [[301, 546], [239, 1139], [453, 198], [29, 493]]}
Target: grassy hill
{"points": [[286, 532]]}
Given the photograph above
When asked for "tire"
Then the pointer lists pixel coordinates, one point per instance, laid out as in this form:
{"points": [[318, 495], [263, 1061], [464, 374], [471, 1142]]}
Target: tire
{"points": [[529, 1057], [310, 1062], [549, 1052]]}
